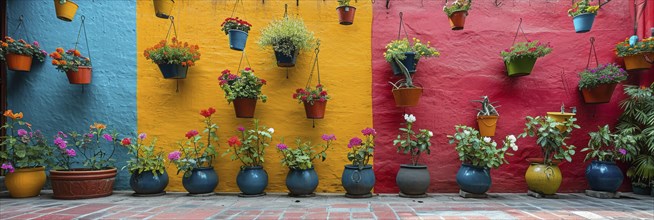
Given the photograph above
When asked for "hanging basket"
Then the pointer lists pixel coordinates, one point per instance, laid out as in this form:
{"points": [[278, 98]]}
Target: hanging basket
{"points": [[599, 94], [163, 8], [244, 107], [80, 77], [315, 111], [237, 39], [458, 20], [521, 66], [638, 61], [346, 14], [407, 97], [583, 22], [19, 62], [66, 11], [487, 125], [285, 61], [173, 71], [409, 62]]}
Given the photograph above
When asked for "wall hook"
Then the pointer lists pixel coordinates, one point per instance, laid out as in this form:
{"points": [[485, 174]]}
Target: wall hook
{"points": [[387, 4], [498, 3]]}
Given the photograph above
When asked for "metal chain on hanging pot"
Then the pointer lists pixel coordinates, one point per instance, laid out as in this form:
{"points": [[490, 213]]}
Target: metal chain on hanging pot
{"points": [[18, 27], [234, 9], [316, 66], [591, 52], [171, 27], [86, 39], [517, 31], [241, 61]]}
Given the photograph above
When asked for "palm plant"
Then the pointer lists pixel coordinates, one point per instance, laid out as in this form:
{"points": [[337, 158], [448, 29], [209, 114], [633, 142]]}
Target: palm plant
{"points": [[638, 120]]}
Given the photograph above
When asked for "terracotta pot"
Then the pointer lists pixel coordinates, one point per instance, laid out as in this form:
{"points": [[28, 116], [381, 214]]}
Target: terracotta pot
{"points": [[638, 62], [244, 108], [458, 19], [600, 94], [346, 14], [25, 182], [163, 8], [66, 11], [82, 183], [487, 125], [560, 117], [315, 111], [81, 76], [19, 62], [407, 97]]}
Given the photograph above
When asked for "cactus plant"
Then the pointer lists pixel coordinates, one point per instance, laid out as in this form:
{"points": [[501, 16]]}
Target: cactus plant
{"points": [[487, 108]]}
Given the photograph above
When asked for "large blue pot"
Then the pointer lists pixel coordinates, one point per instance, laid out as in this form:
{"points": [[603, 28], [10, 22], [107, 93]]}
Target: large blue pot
{"points": [[358, 182], [237, 39], [202, 180], [148, 183], [604, 176], [473, 179], [252, 180], [583, 22], [173, 71], [410, 63], [301, 182], [286, 61]]}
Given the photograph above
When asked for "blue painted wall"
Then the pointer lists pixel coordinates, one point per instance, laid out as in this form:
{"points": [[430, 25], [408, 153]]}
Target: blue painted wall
{"points": [[49, 102]]}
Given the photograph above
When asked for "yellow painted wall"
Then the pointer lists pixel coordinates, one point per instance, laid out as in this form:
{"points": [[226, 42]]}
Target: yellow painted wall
{"points": [[345, 68]]}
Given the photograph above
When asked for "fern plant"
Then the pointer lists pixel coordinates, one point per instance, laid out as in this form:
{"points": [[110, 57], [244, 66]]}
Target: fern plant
{"points": [[637, 120]]}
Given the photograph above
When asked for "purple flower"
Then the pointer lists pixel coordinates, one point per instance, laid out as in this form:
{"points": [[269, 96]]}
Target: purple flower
{"points": [[107, 137], [282, 146], [355, 141], [22, 132], [175, 155], [241, 128], [60, 143], [368, 132], [8, 166], [142, 136], [329, 137], [90, 135], [36, 43], [71, 152], [623, 151]]}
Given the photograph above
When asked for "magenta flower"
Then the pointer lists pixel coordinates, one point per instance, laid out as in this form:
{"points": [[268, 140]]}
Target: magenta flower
{"points": [[142, 136], [241, 128], [368, 132], [328, 137], [22, 132], [623, 151], [191, 134], [107, 137], [60, 143], [355, 141], [175, 155], [282, 146], [71, 152], [36, 43], [90, 135], [8, 167], [62, 134]]}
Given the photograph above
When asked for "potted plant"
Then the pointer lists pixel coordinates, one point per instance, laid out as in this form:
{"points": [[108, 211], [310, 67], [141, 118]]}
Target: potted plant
{"points": [[147, 168], [605, 148], [358, 178], [315, 100], [250, 148], [478, 155], [195, 158], [345, 12], [174, 59], [286, 36], [457, 13], [634, 54], [597, 84], [413, 179], [302, 179], [405, 93], [243, 91], [18, 53], [521, 57], [401, 51], [163, 8], [543, 175], [237, 30], [78, 69], [65, 9], [95, 178], [487, 117], [24, 155], [583, 14]]}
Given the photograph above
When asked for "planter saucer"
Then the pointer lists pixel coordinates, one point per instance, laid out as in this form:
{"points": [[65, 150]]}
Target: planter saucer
{"points": [[413, 196], [368, 195], [254, 195], [603, 195], [149, 194], [539, 195], [302, 196], [201, 194]]}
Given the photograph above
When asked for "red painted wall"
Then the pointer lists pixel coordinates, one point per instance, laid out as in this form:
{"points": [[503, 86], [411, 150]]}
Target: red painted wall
{"points": [[470, 66]]}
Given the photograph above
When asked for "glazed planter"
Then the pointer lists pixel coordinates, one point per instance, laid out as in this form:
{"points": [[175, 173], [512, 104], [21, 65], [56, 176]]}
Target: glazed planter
{"points": [[146, 183], [252, 181], [487, 125], [286, 61], [638, 61], [66, 11], [413, 180], [604, 176], [473, 179], [346, 14], [600, 94], [301, 182], [542, 178], [25, 182], [80, 77], [583, 22], [173, 71], [203, 180], [358, 182], [560, 117], [82, 183], [520, 66], [458, 20], [244, 107], [19, 62], [237, 39], [407, 97], [163, 8], [315, 111], [410, 62], [640, 190]]}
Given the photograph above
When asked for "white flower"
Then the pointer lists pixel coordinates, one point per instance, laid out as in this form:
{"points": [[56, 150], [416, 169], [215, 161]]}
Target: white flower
{"points": [[487, 139], [466, 132], [271, 130], [431, 134], [409, 118], [511, 138], [514, 147]]}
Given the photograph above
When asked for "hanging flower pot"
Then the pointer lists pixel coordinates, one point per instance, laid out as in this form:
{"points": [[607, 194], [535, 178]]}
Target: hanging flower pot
{"points": [[583, 22], [301, 182], [634, 52], [77, 68], [315, 110], [243, 91], [18, 62], [521, 66], [18, 54], [407, 55], [315, 100], [82, 76], [173, 71], [237, 30], [244, 107], [284, 60], [82, 183], [487, 125], [346, 14], [163, 8], [201, 181], [457, 13], [542, 178], [287, 36], [458, 20], [638, 61], [173, 66], [409, 62], [65, 9], [252, 181], [237, 39], [599, 94], [407, 97], [521, 57], [25, 182]]}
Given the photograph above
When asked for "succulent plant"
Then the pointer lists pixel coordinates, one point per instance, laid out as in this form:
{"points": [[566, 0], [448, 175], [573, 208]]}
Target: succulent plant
{"points": [[487, 107]]}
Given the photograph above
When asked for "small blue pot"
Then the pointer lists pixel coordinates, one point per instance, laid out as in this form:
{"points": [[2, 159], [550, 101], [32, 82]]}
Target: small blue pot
{"points": [[286, 61], [583, 22], [473, 179], [237, 39], [301, 182], [252, 180], [148, 183], [202, 180], [173, 71], [358, 182], [604, 176], [410, 63]]}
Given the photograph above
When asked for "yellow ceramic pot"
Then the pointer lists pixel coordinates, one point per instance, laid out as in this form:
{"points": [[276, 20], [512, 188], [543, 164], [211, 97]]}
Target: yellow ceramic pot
{"points": [[66, 11], [543, 179], [163, 8], [25, 182], [560, 117]]}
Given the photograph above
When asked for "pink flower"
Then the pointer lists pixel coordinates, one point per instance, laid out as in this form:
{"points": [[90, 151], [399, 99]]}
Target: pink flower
{"points": [[22, 132], [191, 134], [241, 128], [71, 152], [623, 151], [282, 146], [142, 136], [62, 134], [175, 155], [107, 137], [328, 137], [90, 135], [355, 141], [36, 43], [8, 167], [368, 132], [60, 143]]}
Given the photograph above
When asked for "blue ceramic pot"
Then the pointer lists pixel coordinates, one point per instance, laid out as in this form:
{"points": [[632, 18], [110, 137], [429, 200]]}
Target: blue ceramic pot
{"points": [[583, 22], [410, 63], [285, 61], [473, 179], [301, 182], [202, 180], [358, 182], [237, 39], [604, 176], [148, 183], [252, 180], [173, 71], [640, 190]]}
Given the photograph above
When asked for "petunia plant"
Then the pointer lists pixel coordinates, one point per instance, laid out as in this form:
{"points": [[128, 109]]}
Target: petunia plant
{"points": [[606, 146], [303, 155], [194, 152], [22, 147], [144, 158], [177, 52], [411, 142], [247, 85], [361, 151], [603, 74], [480, 151], [21, 47], [250, 147], [69, 60], [529, 49]]}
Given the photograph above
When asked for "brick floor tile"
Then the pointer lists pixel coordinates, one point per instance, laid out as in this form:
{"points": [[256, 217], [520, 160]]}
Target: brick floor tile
{"points": [[56, 217], [84, 209]]}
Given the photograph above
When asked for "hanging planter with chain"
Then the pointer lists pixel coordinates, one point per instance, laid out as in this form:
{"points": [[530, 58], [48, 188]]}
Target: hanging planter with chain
{"points": [[243, 90], [287, 36], [19, 53], [163, 8], [406, 52], [78, 68], [597, 84], [173, 59], [237, 30], [521, 57], [314, 100], [583, 15], [457, 13], [65, 9], [345, 12]]}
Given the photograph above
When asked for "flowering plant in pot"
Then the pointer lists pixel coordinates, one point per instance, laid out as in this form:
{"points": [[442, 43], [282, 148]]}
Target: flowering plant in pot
{"points": [[315, 100], [287, 37], [403, 52], [173, 59], [302, 179], [345, 12], [195, 157], [77, 67], [147, 167], [457, 13], [487, 117], [25, 153], [605, 147], [243, 91], [478, 155], [413, 179], [19, 53], [250, 148], [237, 30], [583, 14], [521, 57], [597, 84], [635, 55], [65, 9], [405, 93], [358, 178]]}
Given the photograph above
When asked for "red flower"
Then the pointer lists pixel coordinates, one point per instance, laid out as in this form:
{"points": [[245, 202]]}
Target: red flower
{"points": [[532, 49], [207, 112], [234, 141], [126, 141], [295, 96], [323, 93], [191, 133], [263, 81]]}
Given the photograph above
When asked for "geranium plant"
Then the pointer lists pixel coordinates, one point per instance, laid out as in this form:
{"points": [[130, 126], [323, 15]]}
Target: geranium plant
{"points": [[303, 155], [310, 95], [144, 158], [287, 36], [481, 151], [194, 152], [90, 145], [457, 5], [247, 85], [606, 146], [250, 147], [177, 52], [69, 60], [551, 137], [21, 47], [582, 7], [529, 49], [411, 142], [22, 147], [603, 74], [395, 50], [623, 49], [362, 151], [235, 24]]}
